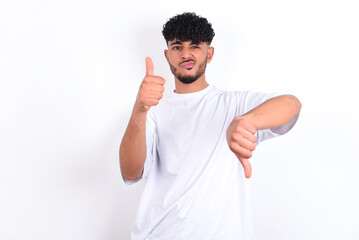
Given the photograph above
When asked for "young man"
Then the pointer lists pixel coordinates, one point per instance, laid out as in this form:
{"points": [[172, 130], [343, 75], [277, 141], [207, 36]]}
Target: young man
{"points": [[193, 146]]}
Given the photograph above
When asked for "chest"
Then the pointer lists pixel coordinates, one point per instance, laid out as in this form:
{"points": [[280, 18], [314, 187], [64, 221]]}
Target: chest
{"points": [[188, 131]]}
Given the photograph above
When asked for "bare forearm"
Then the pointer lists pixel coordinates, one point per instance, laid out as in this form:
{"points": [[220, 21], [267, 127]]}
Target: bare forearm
{"points": [[133, 146], [274, 112]]}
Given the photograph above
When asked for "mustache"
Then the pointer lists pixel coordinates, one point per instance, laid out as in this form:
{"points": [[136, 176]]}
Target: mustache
{"points": [[189, 60]]}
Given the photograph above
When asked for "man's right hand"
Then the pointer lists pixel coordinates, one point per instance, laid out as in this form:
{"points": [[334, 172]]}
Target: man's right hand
{"points": [[151, 89]]}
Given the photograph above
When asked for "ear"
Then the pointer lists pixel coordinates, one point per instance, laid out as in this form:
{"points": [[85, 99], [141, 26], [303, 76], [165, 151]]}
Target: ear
{"points": [[210, 53], [166, 54]]}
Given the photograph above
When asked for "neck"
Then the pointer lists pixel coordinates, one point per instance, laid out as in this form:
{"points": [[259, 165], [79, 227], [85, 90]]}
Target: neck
{"points": [[196, 86]]}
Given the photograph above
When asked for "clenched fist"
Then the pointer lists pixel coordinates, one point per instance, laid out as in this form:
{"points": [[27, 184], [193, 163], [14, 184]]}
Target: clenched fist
{"points": [[151, 89], [241, 140]]}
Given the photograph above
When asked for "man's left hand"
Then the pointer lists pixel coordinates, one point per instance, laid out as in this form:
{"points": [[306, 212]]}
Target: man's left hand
{"points": [[241, 140]]}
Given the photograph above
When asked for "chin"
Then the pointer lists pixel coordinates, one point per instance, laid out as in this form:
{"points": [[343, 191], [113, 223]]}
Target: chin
{"points": [[187, 79]]}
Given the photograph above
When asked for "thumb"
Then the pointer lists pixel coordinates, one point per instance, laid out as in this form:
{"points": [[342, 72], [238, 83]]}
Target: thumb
{"points": [[246, 166], [149, 66]]}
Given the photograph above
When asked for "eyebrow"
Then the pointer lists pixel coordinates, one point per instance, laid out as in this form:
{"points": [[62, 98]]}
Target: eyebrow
{"points": [[179, 42], [176, 42]]}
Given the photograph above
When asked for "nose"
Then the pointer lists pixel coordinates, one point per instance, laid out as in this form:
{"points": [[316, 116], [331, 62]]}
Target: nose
{"points": [[186, 53]]}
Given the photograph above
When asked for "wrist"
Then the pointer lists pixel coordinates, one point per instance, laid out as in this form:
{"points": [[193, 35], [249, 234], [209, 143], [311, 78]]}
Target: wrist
{"points": [[139, 108], [139, 111], [248, 118]]}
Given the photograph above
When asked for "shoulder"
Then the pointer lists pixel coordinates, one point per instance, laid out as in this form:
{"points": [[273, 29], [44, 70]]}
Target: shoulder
{"points": [[251, 96], [232, 94]]}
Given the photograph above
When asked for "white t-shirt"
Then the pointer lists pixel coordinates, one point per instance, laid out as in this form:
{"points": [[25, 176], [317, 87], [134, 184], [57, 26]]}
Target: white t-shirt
{"points": [[196, 188]]}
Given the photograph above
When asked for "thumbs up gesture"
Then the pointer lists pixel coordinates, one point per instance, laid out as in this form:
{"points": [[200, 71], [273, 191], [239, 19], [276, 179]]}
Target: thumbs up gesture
{"points": [[151, 89]]}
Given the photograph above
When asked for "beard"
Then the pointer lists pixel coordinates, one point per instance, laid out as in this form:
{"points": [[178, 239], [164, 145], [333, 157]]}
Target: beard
{"points": [[187, 79]]}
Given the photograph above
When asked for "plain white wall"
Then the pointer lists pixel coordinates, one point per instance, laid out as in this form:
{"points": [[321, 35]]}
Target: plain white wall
{"points": [[70, 71]]}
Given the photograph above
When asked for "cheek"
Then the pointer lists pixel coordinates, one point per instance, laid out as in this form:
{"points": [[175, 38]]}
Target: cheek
{"points": [[171, 58], [203, 56]]}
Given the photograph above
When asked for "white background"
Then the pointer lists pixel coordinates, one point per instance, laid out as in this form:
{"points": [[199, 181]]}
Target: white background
{"points": [[70, 71]]}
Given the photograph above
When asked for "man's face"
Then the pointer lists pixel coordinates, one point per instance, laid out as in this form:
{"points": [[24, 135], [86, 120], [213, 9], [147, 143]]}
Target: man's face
{"points": [[188, 61]]}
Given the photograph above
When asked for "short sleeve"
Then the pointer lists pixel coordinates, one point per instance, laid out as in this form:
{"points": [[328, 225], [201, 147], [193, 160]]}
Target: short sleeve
{"points": [[150, 148], [248, 100]]}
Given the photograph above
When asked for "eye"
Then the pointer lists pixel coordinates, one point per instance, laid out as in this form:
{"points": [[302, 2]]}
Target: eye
{"points": [[176, 48], [195, 47]]}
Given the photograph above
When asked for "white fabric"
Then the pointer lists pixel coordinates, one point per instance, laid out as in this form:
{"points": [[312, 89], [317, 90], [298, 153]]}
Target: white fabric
{"points": [[195, 186]]}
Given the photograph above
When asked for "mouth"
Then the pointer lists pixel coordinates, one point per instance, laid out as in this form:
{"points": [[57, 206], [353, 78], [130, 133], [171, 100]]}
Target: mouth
{"points": [[187, 64]]}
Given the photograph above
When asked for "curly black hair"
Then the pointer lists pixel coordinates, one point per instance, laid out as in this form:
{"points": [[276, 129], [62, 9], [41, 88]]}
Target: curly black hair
{"points": [[188, 27]]}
